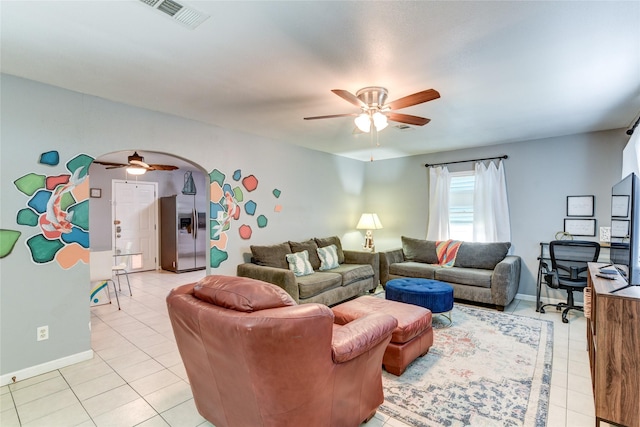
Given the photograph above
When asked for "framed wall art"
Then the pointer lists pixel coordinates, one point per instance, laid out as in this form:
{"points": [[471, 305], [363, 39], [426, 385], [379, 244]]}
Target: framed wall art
{"points": [[580, 227], [580, 205]]}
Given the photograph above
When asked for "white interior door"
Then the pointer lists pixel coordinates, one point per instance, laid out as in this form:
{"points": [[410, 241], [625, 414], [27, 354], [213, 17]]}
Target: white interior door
{"points": [[135, 217]]}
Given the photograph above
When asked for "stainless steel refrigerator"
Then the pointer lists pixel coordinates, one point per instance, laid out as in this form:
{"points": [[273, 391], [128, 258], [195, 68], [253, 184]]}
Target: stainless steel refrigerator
{"points": [[183, 232]]}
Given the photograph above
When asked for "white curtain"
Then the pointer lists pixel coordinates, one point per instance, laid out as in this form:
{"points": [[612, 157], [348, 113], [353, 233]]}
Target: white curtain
{"points": [[439, 183], [490, 207]]}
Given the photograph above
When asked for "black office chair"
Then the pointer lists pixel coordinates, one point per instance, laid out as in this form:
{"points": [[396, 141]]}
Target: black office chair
{"points": [[568, 271]]}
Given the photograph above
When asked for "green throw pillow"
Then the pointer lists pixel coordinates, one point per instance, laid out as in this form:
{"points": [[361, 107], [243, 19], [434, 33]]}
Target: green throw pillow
{"points": [[328, 257], [299, 263]]}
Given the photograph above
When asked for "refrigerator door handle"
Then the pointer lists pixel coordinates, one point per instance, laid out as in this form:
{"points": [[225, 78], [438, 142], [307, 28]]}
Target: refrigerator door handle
{"points": [[194, 217]]}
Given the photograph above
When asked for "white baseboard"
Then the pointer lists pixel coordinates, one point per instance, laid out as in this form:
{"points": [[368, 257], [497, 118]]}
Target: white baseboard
{"points": [[43, 368]]}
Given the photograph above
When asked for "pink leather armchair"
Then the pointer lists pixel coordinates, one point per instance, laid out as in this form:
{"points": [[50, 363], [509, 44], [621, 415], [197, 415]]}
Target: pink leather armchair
{"points": [[255, 358]]}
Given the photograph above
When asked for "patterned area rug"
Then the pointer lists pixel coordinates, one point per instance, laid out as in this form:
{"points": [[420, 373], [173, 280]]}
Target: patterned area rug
{"points": [[487, 369]]}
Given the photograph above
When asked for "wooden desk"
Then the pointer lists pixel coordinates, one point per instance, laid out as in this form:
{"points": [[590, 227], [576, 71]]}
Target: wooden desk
{"points": [[613, 338]]}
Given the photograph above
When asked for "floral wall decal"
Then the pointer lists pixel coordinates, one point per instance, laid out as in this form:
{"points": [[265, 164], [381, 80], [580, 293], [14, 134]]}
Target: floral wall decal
{"points": [[227, 205], [8, 240], [58, 208]]}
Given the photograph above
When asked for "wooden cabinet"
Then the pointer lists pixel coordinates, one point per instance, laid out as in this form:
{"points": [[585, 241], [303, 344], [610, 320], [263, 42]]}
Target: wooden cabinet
{"points": [[613, 337]]}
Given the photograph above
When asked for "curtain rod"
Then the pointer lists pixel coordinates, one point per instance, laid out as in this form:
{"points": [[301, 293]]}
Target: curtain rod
{"points": [[466, 161]]}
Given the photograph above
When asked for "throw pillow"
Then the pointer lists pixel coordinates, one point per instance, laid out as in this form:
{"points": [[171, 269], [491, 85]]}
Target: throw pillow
{"points": [[333, 240], [328, 257], [299, 263], [311, 247], [447, 251]]}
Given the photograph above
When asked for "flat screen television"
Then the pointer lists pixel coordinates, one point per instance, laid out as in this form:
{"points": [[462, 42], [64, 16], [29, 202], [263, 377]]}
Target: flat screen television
{"points": [[625, 229]]}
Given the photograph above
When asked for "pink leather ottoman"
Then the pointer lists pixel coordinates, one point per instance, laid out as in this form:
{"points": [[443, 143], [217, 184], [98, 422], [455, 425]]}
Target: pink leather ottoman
{"points": [[412, 337]]}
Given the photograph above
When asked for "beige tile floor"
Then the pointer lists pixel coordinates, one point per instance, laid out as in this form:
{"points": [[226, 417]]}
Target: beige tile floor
{"points": [[136, 377]]}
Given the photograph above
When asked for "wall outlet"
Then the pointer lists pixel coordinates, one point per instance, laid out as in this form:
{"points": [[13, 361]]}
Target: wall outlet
{"points": [[42, 333]]}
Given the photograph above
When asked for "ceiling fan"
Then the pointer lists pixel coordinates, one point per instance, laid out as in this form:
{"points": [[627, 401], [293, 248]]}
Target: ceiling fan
{"points": [[137, 165], [375, 110]]}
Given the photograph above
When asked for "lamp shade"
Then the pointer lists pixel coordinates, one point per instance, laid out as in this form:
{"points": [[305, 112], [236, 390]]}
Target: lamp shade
{"points": [[369, 221]]}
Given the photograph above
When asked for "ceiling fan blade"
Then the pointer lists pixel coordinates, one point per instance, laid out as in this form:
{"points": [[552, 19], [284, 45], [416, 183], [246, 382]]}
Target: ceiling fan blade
{"points": [[348, 96], [416, 98], [331, 116], [408, 119], [162, 167], [113, 165], [139, 163]]}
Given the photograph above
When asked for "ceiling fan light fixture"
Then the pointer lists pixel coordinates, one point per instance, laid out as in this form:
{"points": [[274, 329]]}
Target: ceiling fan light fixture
{"points": [[136, 170], [363, 122], [380, 121]]}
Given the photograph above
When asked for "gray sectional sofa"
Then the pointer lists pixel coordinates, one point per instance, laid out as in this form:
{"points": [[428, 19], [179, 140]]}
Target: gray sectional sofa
{"points": [[356, 274], [482, 272]]}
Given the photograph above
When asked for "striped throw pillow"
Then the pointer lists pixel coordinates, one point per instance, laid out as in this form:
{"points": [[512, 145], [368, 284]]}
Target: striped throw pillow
{"points": [[328, 257], [299, 263]]}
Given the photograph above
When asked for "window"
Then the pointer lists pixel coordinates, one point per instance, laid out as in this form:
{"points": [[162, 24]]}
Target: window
{"points": [[461, 205]]}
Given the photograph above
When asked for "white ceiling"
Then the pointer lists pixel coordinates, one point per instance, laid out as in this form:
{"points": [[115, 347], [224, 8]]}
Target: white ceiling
{"points": [[506, 71]]}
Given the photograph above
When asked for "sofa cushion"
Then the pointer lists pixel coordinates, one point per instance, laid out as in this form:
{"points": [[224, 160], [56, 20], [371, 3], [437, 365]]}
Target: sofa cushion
{"points": [[311, 247], [465, 276], [241, 293], [353, 272], [481, 255], [419, 250], [333, 240], [317, 283], [299, 263], [272, 255], [414, 269], [328, 257]]}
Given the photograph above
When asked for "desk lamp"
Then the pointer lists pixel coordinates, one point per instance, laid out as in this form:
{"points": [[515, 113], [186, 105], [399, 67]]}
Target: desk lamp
{"points": [[369, 221]]}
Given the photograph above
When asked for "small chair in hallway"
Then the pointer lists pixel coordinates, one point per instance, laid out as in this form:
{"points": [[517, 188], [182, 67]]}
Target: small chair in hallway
{"points": [[568, 271], [121, 268], [100, 270]]}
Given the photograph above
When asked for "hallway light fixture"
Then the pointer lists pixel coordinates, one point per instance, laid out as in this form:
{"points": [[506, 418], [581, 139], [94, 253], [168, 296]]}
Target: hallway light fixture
{"points": [[136, 170]]}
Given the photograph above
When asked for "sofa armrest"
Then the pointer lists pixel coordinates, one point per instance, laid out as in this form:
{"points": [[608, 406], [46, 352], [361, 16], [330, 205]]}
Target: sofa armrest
{"points": [[386, 259], [505, 280], [362, 257], [361, 335], [278, 276]]}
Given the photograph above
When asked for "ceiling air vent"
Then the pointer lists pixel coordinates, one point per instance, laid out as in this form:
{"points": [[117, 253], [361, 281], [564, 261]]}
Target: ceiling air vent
{"points": [[403, 128], [184, 14]]}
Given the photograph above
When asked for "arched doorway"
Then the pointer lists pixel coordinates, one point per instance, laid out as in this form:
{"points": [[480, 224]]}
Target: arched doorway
{"points": [[115, 190]]}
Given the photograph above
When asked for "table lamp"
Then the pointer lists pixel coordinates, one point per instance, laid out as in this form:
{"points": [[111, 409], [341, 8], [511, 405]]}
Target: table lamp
{"points": [[369, 221]]}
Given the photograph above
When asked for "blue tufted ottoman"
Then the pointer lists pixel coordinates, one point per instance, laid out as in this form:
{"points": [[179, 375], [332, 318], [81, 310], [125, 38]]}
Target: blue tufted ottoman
{"points": [[432, 294]]}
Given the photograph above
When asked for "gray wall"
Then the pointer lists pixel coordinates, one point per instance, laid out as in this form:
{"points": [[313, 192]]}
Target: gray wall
{"points": [[540, 175]]}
